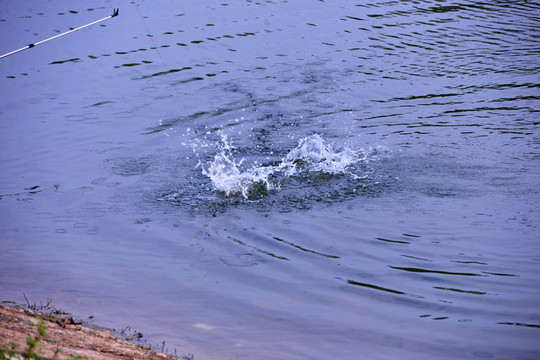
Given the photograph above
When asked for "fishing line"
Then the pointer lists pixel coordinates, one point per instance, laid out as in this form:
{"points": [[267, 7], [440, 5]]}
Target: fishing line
{"points": [[162, 61]]}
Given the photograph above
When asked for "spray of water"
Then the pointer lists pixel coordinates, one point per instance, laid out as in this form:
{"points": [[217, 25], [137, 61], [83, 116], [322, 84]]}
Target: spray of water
{"points": [[311, 156]]}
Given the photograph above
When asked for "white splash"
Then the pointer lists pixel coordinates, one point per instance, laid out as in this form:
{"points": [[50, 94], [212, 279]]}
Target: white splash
{"points": [[312, 155]]}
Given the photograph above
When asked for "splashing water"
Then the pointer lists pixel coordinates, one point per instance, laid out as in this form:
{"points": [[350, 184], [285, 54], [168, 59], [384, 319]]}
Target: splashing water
{"points": [[312, 157]]}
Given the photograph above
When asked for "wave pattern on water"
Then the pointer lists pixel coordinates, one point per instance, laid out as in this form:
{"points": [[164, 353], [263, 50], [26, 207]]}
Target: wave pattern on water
{"points": [[356, 245]]}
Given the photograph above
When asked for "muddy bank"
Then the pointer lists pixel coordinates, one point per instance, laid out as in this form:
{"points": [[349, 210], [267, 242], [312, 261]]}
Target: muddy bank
{"points": [[64, 338]]}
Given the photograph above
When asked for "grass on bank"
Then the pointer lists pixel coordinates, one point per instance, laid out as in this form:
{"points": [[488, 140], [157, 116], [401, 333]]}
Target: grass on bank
{"points": [[10, 351], [57, 348]]}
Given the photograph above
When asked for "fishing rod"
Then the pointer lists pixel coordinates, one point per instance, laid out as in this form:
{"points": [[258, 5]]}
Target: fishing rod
{"points": [[115, 13]]}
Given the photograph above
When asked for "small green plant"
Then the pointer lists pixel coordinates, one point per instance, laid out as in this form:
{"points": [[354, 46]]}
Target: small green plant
{"points": [[33, 342], [8, 351]]}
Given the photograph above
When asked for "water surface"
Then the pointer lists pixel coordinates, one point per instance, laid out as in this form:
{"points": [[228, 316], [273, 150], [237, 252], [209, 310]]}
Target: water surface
{"points": [[278, 180]]}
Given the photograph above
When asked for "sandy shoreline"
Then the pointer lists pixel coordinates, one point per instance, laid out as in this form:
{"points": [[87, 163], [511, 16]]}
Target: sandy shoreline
{"points": [[65, 338]]}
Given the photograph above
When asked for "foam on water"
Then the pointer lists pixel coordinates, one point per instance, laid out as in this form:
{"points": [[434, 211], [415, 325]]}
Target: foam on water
{"points": [[311, 157]]}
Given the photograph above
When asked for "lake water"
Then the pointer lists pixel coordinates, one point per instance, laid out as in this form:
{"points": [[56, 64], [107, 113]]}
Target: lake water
{"points": [[278, 179]]}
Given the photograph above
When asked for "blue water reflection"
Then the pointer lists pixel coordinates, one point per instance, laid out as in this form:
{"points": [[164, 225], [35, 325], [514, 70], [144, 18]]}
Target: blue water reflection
{"points": [[278, 180]]}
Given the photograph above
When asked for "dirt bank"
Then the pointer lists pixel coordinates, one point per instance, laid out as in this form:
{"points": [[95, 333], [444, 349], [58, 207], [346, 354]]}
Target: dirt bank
{"points": [[64, 338]]}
